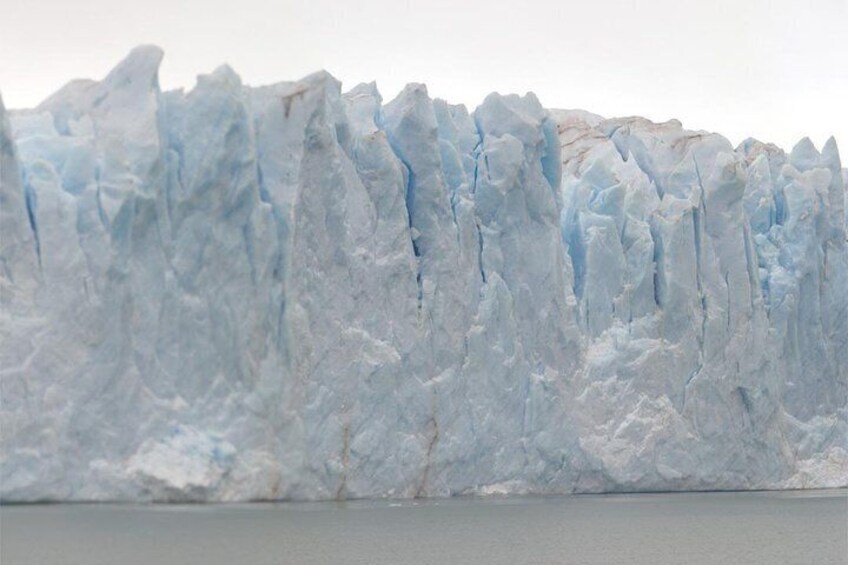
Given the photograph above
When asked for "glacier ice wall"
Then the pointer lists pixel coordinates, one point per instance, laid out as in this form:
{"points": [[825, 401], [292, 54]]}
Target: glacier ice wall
{"points": [[292, 292]]}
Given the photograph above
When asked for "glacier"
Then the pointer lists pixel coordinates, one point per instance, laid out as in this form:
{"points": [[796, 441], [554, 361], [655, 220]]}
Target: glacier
{"points": [[294, 292]]}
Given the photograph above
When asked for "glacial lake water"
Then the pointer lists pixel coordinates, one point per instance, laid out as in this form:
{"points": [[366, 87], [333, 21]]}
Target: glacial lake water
{"points": [[803, 528]]}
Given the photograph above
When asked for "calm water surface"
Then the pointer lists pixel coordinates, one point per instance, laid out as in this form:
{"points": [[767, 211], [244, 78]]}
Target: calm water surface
{"points": [[656, 529]]}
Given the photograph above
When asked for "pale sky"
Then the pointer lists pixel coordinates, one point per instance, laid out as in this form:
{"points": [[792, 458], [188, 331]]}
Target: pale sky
{"points": [[772, 69]]}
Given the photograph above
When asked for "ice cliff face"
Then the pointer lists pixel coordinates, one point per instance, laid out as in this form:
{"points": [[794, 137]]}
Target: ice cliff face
{"points": [[289, 292]]}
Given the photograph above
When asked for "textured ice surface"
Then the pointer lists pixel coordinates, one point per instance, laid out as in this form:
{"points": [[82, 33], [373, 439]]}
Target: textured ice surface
{"points": [[290, 292]]}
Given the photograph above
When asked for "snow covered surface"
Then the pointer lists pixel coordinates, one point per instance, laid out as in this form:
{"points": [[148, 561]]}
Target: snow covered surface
{"points": [[292, 292]]}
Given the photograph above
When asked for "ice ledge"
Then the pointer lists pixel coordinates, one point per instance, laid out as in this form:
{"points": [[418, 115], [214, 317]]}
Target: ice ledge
{"points": [[290, 292]]}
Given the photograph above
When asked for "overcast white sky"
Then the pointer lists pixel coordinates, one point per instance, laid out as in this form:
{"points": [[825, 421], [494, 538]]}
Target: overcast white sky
{"points": [[773, 69]]}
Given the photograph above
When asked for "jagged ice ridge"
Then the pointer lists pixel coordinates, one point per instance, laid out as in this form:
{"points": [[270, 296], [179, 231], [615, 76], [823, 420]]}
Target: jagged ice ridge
{"points": [[290, 292]]}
